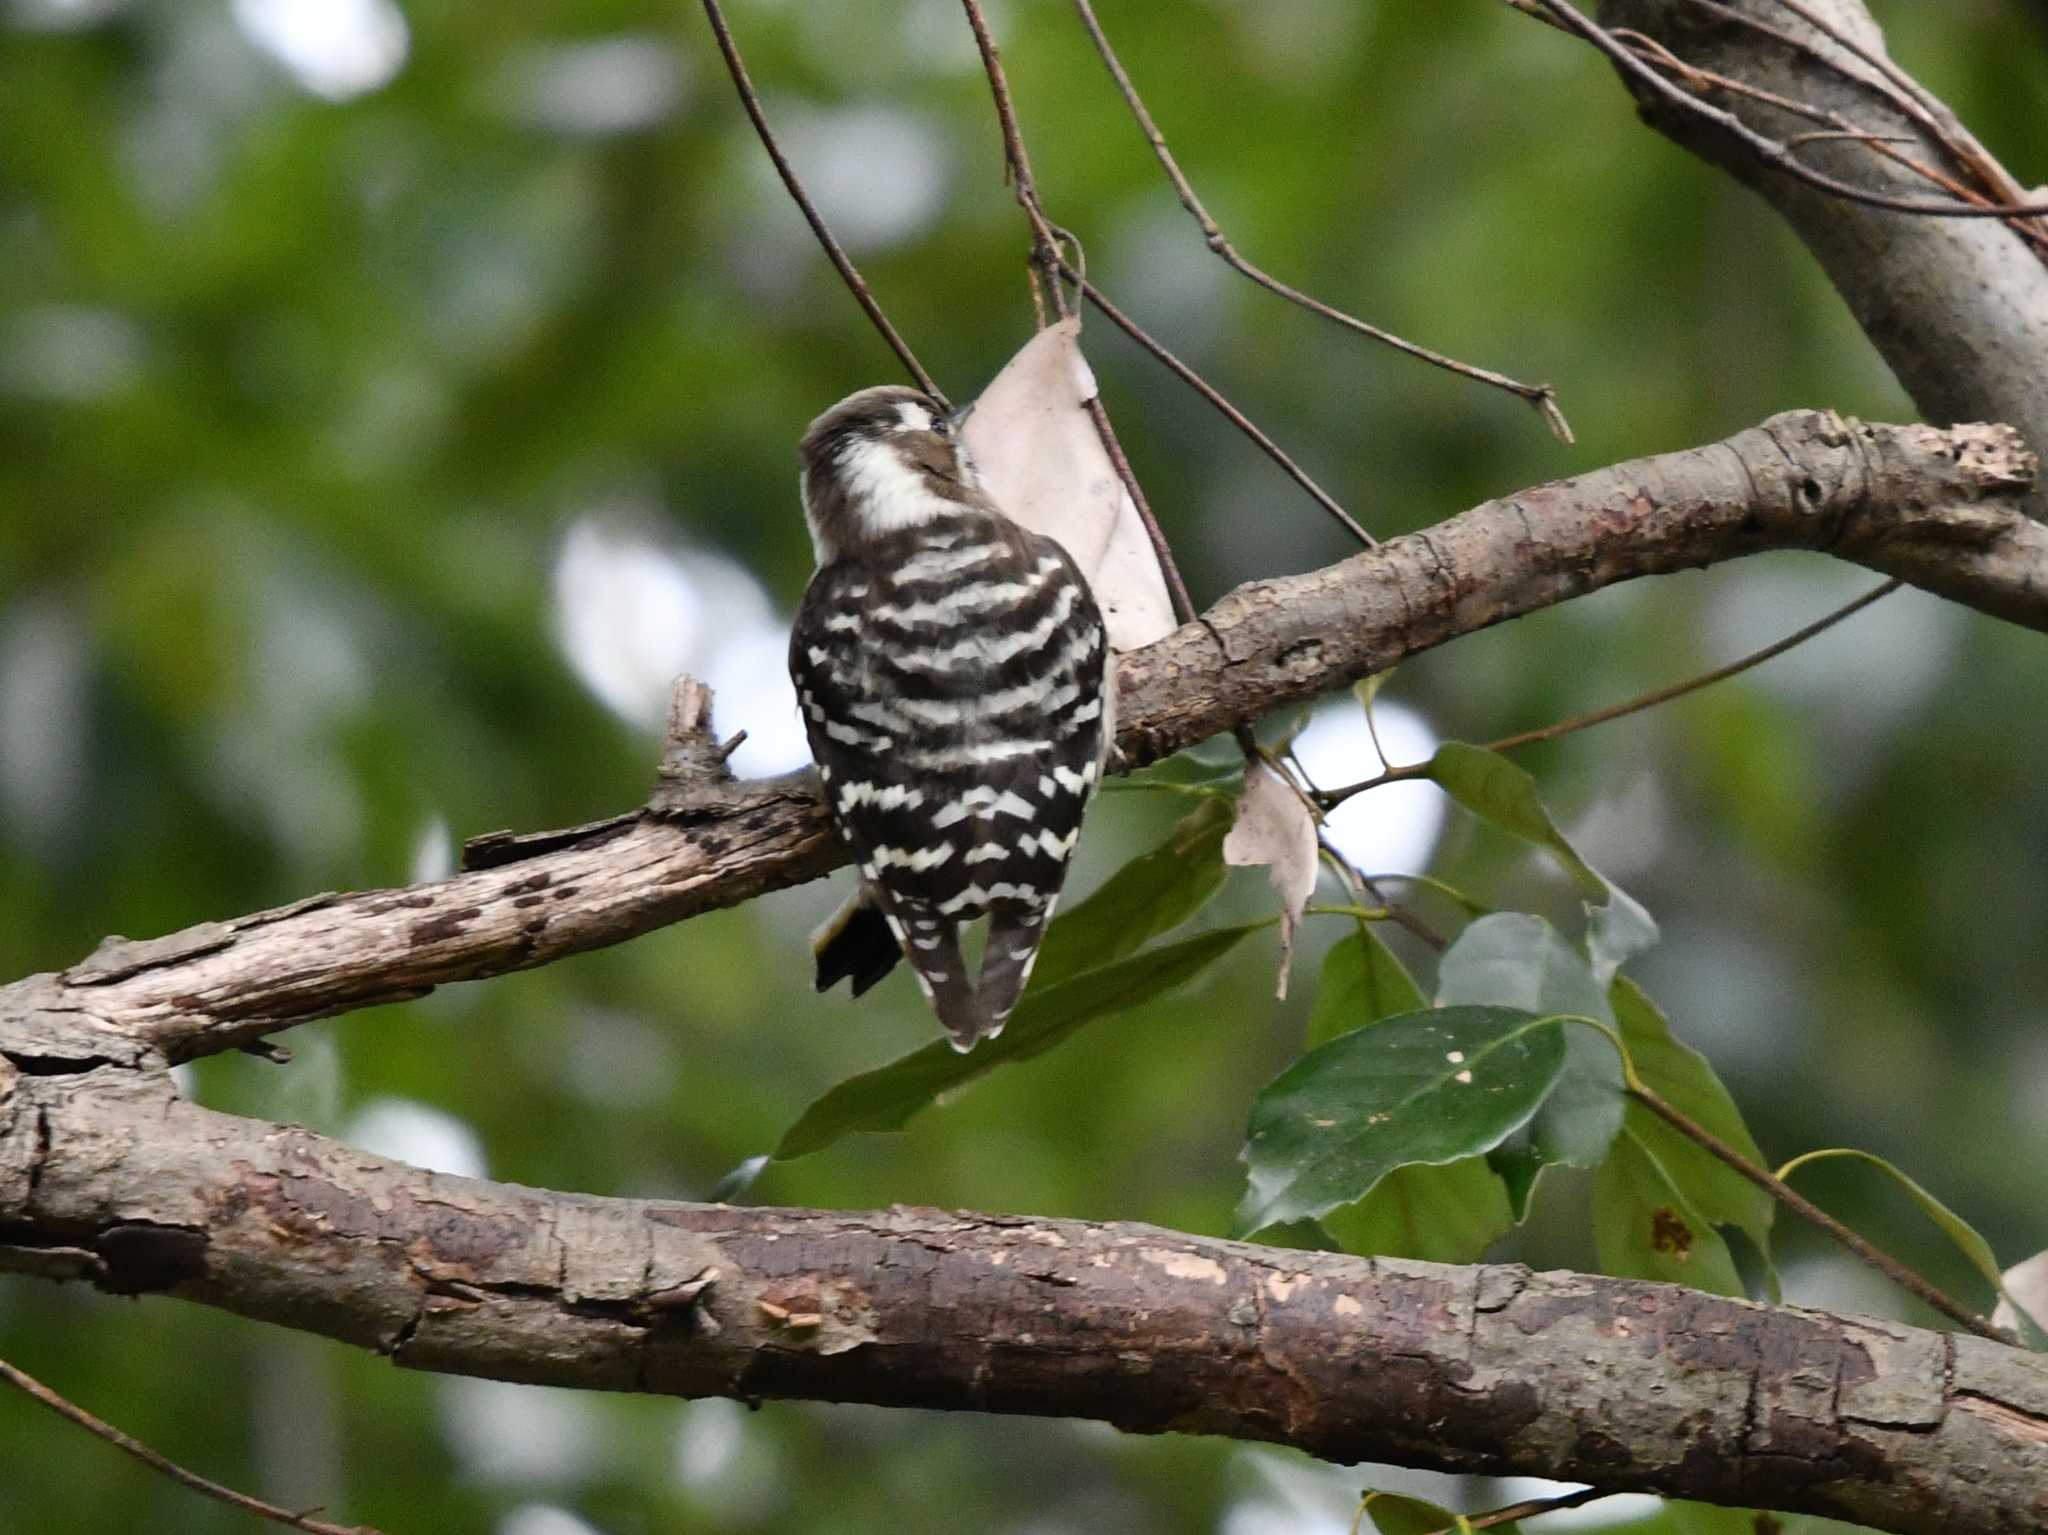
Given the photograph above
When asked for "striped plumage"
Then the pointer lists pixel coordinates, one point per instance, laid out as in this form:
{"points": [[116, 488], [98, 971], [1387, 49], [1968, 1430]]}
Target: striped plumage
{"points": [[952, 670]]}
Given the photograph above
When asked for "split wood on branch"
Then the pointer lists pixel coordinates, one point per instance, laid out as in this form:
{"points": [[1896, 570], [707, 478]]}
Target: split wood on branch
{"points": [[1936, 508], [108, 1176]]}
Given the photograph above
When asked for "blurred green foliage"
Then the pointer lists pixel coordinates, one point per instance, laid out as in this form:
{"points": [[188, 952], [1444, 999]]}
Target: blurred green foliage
{"points": [[315, 365]]}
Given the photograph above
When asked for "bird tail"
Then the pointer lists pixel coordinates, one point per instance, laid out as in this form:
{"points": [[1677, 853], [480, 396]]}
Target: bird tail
{"points": [[855, 941], [1014, 933]]}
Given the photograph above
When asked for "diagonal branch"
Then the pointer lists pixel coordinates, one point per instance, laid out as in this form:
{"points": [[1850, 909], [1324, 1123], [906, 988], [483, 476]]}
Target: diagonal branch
{"points": [[106, 1175], [1935, 508]]}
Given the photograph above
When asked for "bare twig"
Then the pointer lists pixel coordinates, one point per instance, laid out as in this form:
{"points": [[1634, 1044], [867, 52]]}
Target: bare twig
{"points": [[1215, 397], [1766, 149], [27, 1384], [848, 273], [1813, 1214], [1542, 396], [1045, 240], [1636, 705]]}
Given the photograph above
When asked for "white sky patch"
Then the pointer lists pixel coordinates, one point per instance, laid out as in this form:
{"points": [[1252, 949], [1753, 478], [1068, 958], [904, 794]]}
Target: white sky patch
{"points": [[543, 1519], [751, 691], [415, 1133], [1389, 830], [524, 1435], [733, 1475], [878, 174], [627, 615], [633, 614], [1867, 673], [334, 48], [45, 673], [708, 1441], [433, 852], [596, 88]]}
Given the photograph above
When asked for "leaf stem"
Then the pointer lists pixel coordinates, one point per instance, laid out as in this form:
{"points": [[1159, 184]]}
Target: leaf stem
{"points": [[1813, 1214]]}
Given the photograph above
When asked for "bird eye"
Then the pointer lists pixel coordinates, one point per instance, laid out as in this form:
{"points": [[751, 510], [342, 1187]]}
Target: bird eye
{"points": [[941, 425]]}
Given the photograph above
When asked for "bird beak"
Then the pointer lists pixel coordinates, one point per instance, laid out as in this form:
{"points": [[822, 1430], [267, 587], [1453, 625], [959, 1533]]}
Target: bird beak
{"points": [[959, 417]]}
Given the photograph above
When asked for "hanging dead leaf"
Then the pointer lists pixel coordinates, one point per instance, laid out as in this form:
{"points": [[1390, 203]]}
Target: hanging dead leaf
{"points": [[1040, 458], [2026, 1285], [1274, 828]]}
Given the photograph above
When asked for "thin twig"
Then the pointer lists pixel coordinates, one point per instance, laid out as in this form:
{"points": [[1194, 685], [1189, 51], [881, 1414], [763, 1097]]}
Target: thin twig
{"points": [[1215, 397], [1636, 705], [848, 273], [1045, 242], [1766, 149], [1542, 396], [1912, 103], [1813, 1214], [27, 1384]]}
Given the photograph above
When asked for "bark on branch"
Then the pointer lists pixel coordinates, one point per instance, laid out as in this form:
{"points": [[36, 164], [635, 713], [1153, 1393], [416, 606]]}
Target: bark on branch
{"points": [[106, 1175], [1935, 507], [1957, 307]]}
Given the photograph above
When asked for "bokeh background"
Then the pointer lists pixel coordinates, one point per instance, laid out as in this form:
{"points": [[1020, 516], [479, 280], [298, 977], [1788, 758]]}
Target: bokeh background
{"points": [[394, 396]]}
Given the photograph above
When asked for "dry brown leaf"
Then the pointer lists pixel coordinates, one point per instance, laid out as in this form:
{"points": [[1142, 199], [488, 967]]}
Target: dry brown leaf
{"points": [[1040, 459], [1274, 828]]}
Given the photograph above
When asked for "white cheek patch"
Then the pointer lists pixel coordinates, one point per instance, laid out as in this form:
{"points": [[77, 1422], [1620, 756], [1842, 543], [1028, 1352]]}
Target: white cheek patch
{"points": [[914, 418], [887, 494]]}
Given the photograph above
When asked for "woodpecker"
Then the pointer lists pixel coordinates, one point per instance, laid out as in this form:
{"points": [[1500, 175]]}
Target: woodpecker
{"points": [[953, 672]]}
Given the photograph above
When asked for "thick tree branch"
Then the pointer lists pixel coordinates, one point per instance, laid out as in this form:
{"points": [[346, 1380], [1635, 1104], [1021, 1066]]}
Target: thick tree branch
{"points": [[1936, 508], [1958, 307], [106, 1175]]}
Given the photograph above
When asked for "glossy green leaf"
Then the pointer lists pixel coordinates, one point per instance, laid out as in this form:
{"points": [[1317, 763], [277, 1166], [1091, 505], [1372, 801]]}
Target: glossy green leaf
{"points": [[1496, 790], [1681, 1076], [886, 1098], [1966, 1237], [1512, 959], [1644, 1227], [1393, 1514], [1447, 1214], [1361, 983], [1431, 1086], [1152, 894]]}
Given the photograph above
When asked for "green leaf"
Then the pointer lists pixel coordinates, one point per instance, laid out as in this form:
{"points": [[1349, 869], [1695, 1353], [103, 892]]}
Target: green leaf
{"points": [[1519, 1168], [1430, 1086], [1643, 1225], [1493, 788], [1393, 1514], [886, 1098], [1152, 894], [1513, 959], [1966, 1238], [1682, 1077], [1447, 1214], [1361, 983]]}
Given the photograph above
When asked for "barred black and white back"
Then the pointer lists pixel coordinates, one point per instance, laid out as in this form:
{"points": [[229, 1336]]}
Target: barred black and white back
{"points": [[953, 673]]}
